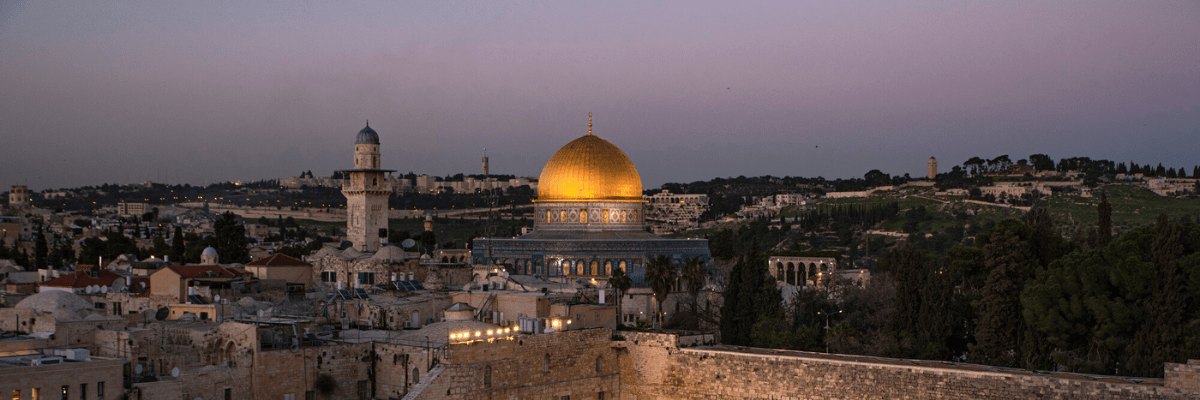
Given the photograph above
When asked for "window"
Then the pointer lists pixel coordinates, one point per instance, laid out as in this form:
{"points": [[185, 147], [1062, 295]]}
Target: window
{"points": [[545, 364], [100, 390], [66, 392], [82, 391], [362, 391], [599, 395], [289, 396], [16, 394], [310, 395], [228, 393], [487, 376], [329, 276], [35, 394], [599, 364]]}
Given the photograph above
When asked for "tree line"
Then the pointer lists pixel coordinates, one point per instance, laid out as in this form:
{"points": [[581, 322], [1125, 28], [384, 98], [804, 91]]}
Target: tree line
{"points": [[1020, 296]]}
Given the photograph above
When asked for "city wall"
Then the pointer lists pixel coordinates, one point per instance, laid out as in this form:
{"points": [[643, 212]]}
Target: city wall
{"points": [[579, 364], [654, 367]]}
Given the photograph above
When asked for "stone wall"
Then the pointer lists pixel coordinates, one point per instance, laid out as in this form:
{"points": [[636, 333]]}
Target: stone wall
{"points": [[652, 367], [279, 372], [580, 364]]}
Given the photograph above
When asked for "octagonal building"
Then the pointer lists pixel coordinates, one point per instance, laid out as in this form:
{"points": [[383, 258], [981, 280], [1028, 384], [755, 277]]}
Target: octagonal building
{"points": [[588, 220]]}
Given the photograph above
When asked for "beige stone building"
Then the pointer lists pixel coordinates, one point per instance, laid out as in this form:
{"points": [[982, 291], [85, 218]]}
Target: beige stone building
{"points": [[282, 267]]}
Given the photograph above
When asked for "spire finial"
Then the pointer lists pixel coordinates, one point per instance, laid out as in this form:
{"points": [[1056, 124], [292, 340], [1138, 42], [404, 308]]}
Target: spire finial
{"points": [[368, 123], [589, 123]]}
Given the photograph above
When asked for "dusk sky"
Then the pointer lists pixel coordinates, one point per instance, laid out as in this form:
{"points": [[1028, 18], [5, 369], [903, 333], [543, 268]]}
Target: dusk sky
{"points": [[95, 92]]}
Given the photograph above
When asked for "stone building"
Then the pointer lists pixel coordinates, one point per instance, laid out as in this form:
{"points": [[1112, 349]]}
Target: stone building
{"points": [[668, 212], [281, 266], [18, 197], [801, 271], [931, 168]]}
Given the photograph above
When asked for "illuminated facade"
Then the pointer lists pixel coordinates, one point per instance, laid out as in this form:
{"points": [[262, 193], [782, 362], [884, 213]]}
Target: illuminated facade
{"points": [[588, 220]]}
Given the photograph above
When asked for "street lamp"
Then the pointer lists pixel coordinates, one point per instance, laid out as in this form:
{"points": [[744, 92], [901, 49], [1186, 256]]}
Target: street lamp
{"points": [[826, 314]]}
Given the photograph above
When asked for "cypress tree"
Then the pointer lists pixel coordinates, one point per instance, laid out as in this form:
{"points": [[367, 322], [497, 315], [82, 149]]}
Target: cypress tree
{"points": [[40, 250], [999, 322], [1104, 225], [177, 246]]}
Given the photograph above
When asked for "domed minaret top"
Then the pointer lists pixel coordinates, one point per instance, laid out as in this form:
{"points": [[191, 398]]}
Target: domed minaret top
{"points": [[367, 135]]}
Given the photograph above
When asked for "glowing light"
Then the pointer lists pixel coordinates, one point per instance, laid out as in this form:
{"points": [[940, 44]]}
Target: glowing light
{"points": [[489, 332], [477, 333]]}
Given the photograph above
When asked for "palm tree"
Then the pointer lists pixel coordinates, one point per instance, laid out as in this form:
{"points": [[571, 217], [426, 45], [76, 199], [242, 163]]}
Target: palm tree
{"points": [[693, 272], [660, 274], [621, 283]]}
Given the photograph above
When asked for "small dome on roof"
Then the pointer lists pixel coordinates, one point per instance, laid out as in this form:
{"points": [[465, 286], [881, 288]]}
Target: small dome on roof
{"points": [[389, 253], [209, 251], [55, 301], [367, 136]]}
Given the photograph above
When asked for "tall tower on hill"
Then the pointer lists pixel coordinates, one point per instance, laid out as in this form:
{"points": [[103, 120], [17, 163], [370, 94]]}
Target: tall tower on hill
{"points": [[932, 168], [367, 190]]}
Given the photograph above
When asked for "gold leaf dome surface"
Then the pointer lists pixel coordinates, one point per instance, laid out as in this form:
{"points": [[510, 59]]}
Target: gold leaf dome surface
{"points": [[589, 169]]}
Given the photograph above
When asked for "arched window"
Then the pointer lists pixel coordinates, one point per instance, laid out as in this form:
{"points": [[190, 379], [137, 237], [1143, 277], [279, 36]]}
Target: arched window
{"points": [[779, 271], [791, 274], [546, 363], [487, 376], [594, 269], [622, 266], [599, 364], [607, 268], [416, 375]]}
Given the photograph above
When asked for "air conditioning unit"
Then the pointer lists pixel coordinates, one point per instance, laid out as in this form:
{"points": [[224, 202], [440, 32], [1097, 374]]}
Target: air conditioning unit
{"points": [[69, 354], [77, 354], [41, 361]]}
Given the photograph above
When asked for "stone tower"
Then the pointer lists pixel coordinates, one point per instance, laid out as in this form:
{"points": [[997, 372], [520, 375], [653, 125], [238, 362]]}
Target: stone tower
{"points": [[18, 197], [367, 190], [932, 164]]}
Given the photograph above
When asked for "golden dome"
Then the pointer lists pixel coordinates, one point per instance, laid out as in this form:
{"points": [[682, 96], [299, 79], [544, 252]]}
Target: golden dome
{"points": [[589, 169]]}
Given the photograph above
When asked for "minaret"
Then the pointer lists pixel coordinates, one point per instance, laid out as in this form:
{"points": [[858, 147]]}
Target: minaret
{"points": [[932, 168], [485, 163], [367, 190]]}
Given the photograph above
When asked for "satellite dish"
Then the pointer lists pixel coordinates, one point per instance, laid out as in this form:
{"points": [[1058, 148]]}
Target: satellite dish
{"points": [[408, 243], [162, 314], [104, 289], [88, 289], [260, 313], [138, 369], [175, 373], [216, 297]]}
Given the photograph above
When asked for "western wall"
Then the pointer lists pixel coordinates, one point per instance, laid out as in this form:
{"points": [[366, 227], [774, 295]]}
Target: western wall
{"points": [[596, 364]]}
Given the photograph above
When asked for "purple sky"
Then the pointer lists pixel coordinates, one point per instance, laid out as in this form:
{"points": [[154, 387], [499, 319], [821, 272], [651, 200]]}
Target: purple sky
{"points": [[199, 92]]}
